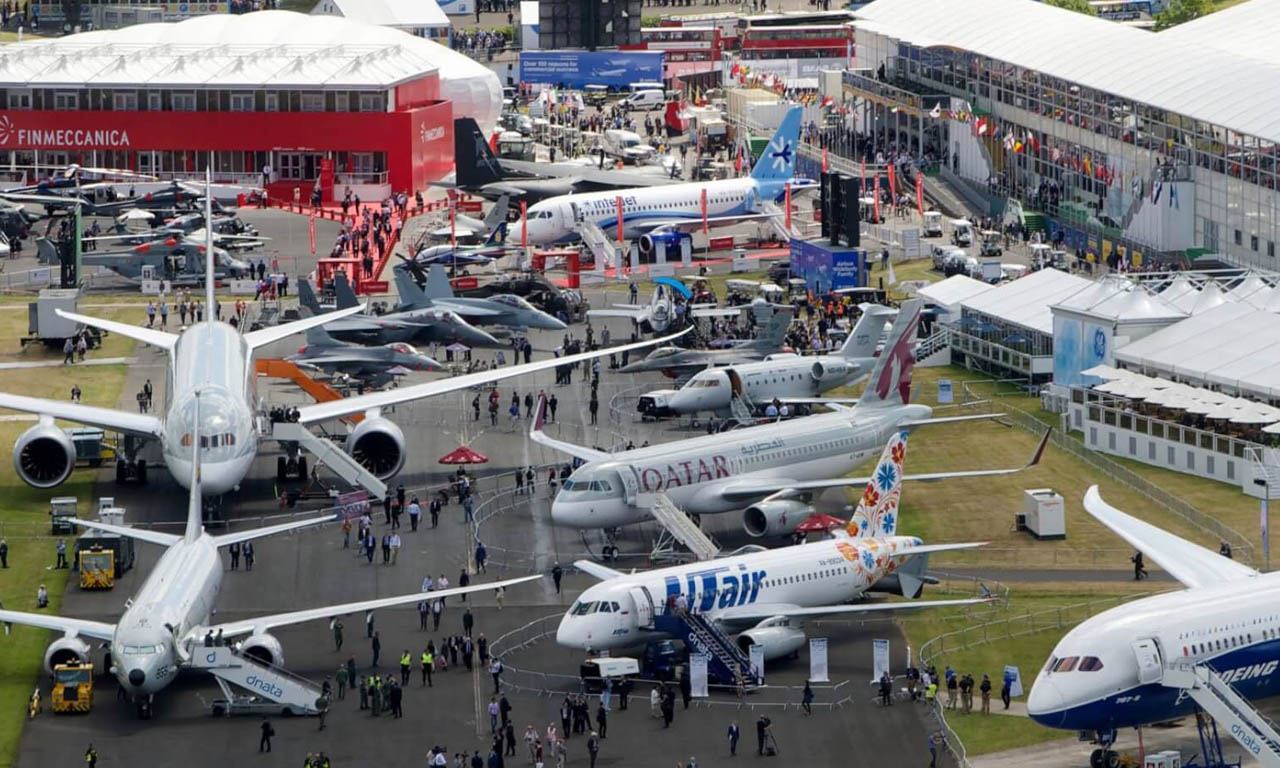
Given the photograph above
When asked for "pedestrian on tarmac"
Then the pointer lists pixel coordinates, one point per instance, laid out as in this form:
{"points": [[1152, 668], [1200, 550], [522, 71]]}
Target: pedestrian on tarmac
{"points": [[264, 743], [734, 734], [337, 634], [376, 645]]}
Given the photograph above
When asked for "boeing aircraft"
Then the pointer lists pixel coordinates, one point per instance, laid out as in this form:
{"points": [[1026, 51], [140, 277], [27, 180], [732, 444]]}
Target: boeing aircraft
{"points": [[669, 210], [789, 378], [1105, 674], [766, 595], [215, 360], [171, 612], [769, 469]]}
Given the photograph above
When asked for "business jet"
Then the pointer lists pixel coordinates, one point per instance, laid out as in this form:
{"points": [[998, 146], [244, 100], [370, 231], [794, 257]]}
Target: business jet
{"points": [[171, 611], [673, 361], [214, 359], [790, 378], [669, 210], [771, 469], [764, 596], [1105, 674]]}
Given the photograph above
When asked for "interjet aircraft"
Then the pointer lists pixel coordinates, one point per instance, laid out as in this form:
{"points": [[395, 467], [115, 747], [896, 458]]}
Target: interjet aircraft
{"points": [[164, 622], [772, 470], [764, 596], [665, 211]]}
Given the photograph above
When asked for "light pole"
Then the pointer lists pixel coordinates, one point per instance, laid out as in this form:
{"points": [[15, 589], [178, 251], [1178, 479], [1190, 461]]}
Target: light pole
{"points": [[1265, 485]]}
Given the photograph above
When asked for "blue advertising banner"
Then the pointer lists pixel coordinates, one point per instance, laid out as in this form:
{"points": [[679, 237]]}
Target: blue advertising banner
{"points": [[575, 69], [824, 268]]}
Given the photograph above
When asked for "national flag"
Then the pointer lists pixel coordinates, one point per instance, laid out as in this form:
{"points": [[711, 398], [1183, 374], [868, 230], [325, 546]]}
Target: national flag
{"points": [[920, 194], [893, 184], [1034, 143], [1017, 145], [735, 70], [827, 101], [1008, 141], [1088, 167], [1055, 154]]}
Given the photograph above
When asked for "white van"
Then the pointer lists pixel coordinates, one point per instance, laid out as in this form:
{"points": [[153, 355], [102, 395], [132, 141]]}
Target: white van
{"points": [[627, 146], [645, 100]]}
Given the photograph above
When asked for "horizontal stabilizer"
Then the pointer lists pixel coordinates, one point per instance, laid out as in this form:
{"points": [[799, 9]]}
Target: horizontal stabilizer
{"points": [[596, 570], [141, 534], [271, 530]]}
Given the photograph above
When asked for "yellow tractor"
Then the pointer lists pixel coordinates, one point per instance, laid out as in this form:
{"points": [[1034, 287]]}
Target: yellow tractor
{"points": [[97, 568], [72, 688]]}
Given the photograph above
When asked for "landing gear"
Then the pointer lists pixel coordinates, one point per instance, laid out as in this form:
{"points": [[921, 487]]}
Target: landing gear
{"points": [[1104, 758], [127, 470], [144, 707]]}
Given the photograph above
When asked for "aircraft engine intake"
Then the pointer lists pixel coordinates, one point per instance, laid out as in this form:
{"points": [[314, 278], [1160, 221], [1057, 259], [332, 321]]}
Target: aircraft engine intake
{"points": [[66, 650], [44, 455], [378, 444], [778, 641], [264, 648], [774, 518]]}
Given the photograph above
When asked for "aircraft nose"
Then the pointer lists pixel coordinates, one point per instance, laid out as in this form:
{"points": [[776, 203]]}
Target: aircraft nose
{"points": [[1045, 704], [552, 323], [137, 678]]}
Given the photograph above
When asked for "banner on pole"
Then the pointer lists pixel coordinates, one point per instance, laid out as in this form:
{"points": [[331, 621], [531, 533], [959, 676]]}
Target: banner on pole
{"points": [[311, 229], [879, 659], [893, 184], [920, 193], [621, 227], [876, 202], [818, 660], [757, 662], [698, 675]]}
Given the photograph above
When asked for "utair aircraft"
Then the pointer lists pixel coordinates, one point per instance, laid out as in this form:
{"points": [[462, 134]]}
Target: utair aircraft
{"points": [[164, 622], [674, 207], [790, 378], [765, 595], [1106, 673], [768, 469], [216, 360]]}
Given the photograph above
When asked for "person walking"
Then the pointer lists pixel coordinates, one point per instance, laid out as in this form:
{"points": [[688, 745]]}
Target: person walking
{"points": [[341, 676], [985, 689], [62, 553], [376, 645], [406, 666], [602, 720], [1006, 687], [493, 715], [248, 555], [593, 747], [762, 733], [557, 573], [4, 553], [337, 635], [952, 685], [495, 669], [264, 743], [734, 734], [806, 700]]}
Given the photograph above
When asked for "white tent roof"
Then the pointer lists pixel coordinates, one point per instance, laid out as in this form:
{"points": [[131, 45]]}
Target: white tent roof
{"points": [[1026, 301], [1178, 287], [1231, 345], [1248, 29], [280, 49], [387, 13], [1212, 84], [955, 289]]}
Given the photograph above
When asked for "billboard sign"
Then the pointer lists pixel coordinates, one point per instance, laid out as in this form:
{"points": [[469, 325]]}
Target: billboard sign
{"points": [[576, 69], [825, 268]]}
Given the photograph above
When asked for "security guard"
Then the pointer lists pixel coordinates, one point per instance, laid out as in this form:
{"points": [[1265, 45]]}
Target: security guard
{"points": [[428, 661], [406, 664]]}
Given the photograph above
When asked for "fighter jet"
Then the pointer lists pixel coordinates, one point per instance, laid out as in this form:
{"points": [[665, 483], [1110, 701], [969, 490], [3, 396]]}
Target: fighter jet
{"points": [[466, 230], [502, 309], [675, 361], [373, 366], [424, 326]]}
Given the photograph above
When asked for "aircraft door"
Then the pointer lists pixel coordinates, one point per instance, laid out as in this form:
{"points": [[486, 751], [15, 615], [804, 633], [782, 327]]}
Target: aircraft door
{"points": [[630, 483], [735, 382], [577, 213], [1150, 666], [644, 606]]}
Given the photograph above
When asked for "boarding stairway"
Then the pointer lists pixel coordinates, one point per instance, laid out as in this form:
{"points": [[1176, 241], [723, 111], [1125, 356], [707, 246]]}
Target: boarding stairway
{"points": [[726, 663], [743, 409], [778, 220], [934, 350], [597, 242], [295, 694], [678, 526], [1216, 697], [329, 454]]}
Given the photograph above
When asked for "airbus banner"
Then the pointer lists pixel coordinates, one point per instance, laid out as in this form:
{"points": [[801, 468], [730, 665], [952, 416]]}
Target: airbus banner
{"points": [[879, 659], [756, 654], [575, 69]]}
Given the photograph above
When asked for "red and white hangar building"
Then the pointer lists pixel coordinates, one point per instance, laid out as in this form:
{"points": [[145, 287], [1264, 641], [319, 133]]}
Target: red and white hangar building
{"points": [[313, 97]]}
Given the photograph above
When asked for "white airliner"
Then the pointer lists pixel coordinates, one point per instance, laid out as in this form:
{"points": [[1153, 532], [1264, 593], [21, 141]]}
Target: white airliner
{"points": [[768, 469], [170, 613], [1105, 673], [674, 207], [787, 377], [216, 360], [766, 595]]}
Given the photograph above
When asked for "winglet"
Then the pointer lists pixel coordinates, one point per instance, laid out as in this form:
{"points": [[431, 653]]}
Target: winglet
{"points": [[342, 290], [156, 338], [540, 418], [1044, 442]]}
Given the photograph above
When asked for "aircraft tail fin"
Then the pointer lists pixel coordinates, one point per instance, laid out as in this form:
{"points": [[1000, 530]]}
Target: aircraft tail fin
{"points": [[890, 382], [774, 333], [342, 288], [438, 286], [877, 512], [496, 222], [411, 294], [195, 504], [866, 333], [317, 336], [777, 164], [475, 161], [307, 298]]}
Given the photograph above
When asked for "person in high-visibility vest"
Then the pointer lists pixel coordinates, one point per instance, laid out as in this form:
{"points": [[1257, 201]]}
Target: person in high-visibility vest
{"points": [[428, 661], [406, 663]]}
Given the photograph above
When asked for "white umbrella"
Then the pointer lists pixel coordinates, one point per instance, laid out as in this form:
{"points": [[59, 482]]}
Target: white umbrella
{"points": [[137, 214], [1104, 372], [1272, 429], [1114, 386], [1200, 407], [457, 347], [1252, 417], [1222, 411]]}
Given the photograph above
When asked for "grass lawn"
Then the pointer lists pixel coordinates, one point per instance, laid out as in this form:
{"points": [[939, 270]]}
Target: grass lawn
{"points": [[24, 515]]}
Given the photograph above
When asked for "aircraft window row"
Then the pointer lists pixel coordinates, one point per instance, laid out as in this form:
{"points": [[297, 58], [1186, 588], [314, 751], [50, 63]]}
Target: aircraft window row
{"points": [[1222, 644], [811, 576], [211, 441]]}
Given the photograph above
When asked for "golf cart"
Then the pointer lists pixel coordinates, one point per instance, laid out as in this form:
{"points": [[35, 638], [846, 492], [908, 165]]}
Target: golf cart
{"points": [[932, 224], [991, 243], [962, 232]]}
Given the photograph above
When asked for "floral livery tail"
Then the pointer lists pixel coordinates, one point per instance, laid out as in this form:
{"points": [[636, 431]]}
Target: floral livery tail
{"points": [[877, 512]]}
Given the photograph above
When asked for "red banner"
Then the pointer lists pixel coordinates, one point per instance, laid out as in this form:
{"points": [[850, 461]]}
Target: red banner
{"points": [[311, 229], [621, 224], [704, 211], [787, 189], [824, 159], [877, 199], [920, 193], [893, 185], [524, 224]]}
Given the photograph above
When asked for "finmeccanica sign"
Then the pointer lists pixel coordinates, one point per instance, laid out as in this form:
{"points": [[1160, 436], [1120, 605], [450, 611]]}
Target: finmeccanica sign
{"points": [[62, 137]]}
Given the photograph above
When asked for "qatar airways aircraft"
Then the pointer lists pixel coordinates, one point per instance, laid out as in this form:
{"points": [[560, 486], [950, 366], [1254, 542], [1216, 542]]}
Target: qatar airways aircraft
{"points": [[766, 595], [166, 619], [769, 469]]}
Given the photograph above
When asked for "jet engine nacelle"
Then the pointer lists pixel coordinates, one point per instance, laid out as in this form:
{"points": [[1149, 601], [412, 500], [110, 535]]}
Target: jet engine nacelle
{"points": [[825, 372], [778, 642], [264, 648], [65, 651], [774, 518], [671, 241], [44, 455], [378, 444]]}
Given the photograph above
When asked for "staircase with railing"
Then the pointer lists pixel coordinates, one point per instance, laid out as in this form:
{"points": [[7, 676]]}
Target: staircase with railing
{"points": [[296, 695], [1255, 732], [682, 528], [597, 242], [726, 663], [934, 350]]}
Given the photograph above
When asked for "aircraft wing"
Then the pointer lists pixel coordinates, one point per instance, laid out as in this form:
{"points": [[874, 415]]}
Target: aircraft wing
{"points": [[80, 627], [156, 338], [538, 436], [337, 408], [274, 333], [271, 530], [596, 570], [634, 314], [1191, 564], [264, 623], [695, 224], [782, 487], [757, 613], [108, 418], [141, 534], [718, 312]]}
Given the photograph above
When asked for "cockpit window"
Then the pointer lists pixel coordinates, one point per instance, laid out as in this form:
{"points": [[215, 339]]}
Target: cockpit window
{"points": [[1090, 664], [582, 609], [1066, 664], [140, 650], [402, 348], [605, 607], [707, 383]]}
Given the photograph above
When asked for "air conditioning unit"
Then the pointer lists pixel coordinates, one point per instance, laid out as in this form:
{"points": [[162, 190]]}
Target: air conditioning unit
{"points": [[1045, 513]]}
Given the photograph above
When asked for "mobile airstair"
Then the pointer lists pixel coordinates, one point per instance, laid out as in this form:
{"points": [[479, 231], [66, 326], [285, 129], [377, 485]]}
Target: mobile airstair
{"points": [[331, 455], [679, 527], [597, 242], [1217, 698], [726, 663], [271, 689]]}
